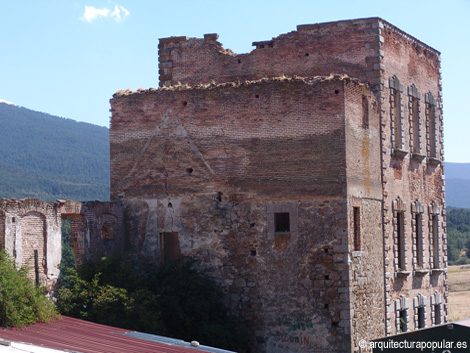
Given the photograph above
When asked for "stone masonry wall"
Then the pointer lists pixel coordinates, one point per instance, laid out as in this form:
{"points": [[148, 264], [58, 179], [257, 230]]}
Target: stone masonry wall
{"points": [[290, 289]]}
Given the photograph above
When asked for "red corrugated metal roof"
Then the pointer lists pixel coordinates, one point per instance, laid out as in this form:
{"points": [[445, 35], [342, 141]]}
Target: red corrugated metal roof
{"points": [[86, 337]]}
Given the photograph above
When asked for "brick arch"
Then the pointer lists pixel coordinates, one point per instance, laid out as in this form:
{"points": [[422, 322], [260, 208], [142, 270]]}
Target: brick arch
{"points": [[28, 205]]}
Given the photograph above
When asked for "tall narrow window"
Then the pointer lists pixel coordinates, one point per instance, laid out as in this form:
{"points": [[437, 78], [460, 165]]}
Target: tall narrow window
{"points": [[421, 322], [431, 124], [399, 209], [415, 120], [403, 326], [435, 238], [436, 303], [415, 123], [365, 112], [400, 240], [419, 239], [437, 314], [419, 304], [432, 131], [401, 313], [397, 118], [357, 228], [395, 112]]}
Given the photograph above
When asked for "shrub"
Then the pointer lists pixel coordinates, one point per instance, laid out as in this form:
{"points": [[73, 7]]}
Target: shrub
{"points": [[88, 300], [174, 300], [21, 302]]}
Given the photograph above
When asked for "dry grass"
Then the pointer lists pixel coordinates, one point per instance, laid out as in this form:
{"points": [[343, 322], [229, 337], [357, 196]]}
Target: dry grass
{"points": [[458, 278]]}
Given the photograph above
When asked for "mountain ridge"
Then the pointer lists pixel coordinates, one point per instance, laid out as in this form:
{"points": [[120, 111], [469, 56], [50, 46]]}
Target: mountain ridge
{"points": [[51, 157]]}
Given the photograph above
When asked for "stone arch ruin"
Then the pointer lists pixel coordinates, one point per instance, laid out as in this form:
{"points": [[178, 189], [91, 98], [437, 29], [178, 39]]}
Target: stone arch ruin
{"points": [[31, 232]]}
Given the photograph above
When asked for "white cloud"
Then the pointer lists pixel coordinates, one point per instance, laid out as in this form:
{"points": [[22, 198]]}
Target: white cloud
{"points": [[92, 13], [119, 14]]}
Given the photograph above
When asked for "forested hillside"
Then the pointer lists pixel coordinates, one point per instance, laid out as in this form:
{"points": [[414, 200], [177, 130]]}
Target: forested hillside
{"points": [[50, 158], [458, 236]]}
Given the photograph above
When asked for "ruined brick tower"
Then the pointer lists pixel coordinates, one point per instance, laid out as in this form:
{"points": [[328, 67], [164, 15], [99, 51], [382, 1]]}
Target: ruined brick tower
{"points": [[306, 175]]}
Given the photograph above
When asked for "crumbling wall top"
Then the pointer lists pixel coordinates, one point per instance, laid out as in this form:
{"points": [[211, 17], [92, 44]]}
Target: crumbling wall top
{"points": [[312, 50]]}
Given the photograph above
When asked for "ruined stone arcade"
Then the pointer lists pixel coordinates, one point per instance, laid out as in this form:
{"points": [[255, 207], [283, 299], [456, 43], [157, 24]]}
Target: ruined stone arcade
{"points": [[30, 231]]}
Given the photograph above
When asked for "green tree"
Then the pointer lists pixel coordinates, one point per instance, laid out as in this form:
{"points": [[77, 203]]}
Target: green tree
{"points": [[21, 302]]}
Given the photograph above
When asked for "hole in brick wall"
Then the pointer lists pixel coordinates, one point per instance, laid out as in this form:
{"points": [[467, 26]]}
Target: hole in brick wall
{"points": [[252, 225], [326, 306], [257, 96], [327, 277], [189, 170], [306, 54], [336, 91], [185, 103], [253, 252], [170, 204], [239, 61], [325, 250], [282, 222], [335, 323], [219, 196], [13, 219]]}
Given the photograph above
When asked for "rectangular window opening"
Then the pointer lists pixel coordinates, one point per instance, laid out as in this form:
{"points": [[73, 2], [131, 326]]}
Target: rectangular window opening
{"points": [[396, 109], [437, 314], [402, 318], [282, 222], [357, 228], [435, 236], [419, 239], [170, 247], [365, 112], [401, 241], [432, 131], [415, 119], [421, 321]]}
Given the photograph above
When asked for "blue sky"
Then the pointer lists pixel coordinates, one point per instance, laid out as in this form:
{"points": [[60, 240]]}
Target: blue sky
{"points": [[67, 58]]}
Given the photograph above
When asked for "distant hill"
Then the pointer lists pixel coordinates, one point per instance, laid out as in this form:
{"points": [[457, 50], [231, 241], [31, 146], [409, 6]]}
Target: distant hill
{"points": [[457, 184], [50, 158]]}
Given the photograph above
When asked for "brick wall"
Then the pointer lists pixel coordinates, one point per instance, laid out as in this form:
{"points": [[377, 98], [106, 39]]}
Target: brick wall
{"points": [[33, 227], [411, 176], [311, 50], [363, 165], [242, 137]]}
